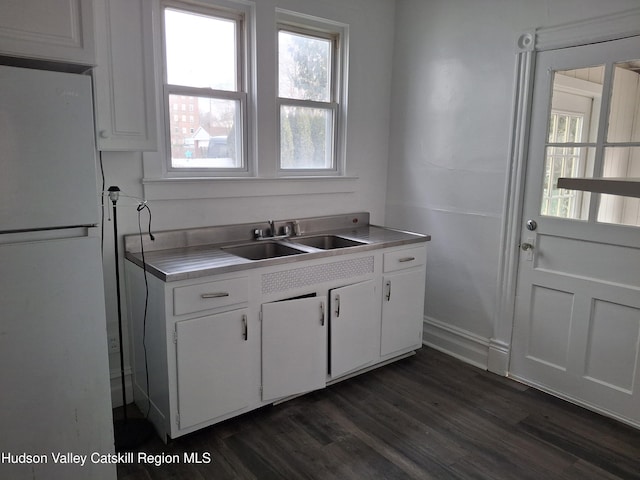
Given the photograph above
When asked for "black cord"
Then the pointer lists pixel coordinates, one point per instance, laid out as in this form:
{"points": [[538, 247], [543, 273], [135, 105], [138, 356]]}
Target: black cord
{"points": [[101, 204], [141, 207]]}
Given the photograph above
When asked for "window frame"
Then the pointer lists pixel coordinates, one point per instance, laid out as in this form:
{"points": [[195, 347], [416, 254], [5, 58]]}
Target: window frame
{"points": [[241, 94], [337, 34]]}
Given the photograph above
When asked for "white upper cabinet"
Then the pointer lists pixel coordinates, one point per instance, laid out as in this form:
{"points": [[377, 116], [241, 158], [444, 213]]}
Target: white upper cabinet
{"points": [[125, 90], [58, 30]]}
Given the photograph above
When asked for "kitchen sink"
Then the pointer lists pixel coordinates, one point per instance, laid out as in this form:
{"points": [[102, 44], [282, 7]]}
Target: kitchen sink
{"points": [[326, 242], [262, 250]]}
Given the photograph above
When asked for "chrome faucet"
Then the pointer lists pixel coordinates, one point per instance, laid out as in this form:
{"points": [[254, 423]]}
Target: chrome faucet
{"points": [[260, 234], [272, 234]]}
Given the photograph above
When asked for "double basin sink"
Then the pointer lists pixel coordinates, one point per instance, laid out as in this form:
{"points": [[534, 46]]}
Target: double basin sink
{"points": [[263, 249]]}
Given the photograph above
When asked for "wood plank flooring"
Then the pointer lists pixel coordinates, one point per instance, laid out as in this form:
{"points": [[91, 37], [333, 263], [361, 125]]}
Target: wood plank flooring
{"points": [[429, 416]]}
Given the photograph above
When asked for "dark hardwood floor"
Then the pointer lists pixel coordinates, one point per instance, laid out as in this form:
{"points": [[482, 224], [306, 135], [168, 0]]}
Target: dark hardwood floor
{"points": [[427, 416]]}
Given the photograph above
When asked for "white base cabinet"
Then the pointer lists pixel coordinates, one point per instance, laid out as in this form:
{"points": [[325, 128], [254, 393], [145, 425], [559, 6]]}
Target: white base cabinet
{"points": [[403, 300], [199, 347], [223, 345], [402, 315]]}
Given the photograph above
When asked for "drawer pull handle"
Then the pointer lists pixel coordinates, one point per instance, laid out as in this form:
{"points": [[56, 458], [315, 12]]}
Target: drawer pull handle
{"points": [[407, 259], [245, 328], [215, 295]]}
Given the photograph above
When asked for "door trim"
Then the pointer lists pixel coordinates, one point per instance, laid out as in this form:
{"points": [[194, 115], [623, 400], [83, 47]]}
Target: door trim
{"points": [[604, 28]]}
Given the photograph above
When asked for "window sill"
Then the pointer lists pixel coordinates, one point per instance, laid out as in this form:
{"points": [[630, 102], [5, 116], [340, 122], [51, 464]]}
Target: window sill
{"points": [[186, 188]]}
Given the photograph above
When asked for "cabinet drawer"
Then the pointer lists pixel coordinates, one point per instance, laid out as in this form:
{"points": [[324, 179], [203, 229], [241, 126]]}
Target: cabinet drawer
{"points": [[206, 296], [404, 259]]}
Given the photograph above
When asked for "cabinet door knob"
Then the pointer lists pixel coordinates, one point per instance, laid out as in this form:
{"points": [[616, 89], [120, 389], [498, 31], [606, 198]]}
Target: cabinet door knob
{"points": [[337, 302], [388, 290], [322, 314]]}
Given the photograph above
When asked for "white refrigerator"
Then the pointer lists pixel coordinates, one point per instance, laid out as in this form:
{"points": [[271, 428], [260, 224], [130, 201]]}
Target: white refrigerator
{"points": [[54, 374]]}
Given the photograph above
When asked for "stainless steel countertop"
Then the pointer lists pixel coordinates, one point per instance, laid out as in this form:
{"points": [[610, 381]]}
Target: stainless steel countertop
{"points": [[183, 263]]}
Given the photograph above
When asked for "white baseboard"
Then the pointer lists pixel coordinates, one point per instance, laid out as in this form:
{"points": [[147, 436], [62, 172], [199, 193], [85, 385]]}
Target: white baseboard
{"points": [[498, 361], [457, 342], [116, 387]]}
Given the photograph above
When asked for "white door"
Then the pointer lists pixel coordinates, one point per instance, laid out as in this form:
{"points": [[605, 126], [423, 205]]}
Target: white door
{"points": [[294, 347], [214, 370], [577, 321], [402, 311], [354, 327]]}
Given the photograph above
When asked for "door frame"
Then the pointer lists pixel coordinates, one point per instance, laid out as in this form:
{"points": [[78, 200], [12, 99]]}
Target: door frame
{"points": [[599, 29]]}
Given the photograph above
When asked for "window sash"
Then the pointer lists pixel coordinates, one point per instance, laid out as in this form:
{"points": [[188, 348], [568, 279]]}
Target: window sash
{"points": [[240, 97], [332, 106], [240, 94]]}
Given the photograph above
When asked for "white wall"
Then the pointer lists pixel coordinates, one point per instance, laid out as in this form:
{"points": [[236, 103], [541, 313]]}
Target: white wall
{"points": [[371, 47], [452, 97]]}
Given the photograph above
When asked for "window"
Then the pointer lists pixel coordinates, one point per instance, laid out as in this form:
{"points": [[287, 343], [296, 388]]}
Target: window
{"points": [[207, 71], [308, 99], [573, 148], [203, 59]]}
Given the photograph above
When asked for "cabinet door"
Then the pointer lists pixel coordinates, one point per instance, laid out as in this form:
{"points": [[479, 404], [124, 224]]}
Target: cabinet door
{"points": [[294, 347], [353, 327], [213, 363], [402, 311], [60, 30], [125, 88]]}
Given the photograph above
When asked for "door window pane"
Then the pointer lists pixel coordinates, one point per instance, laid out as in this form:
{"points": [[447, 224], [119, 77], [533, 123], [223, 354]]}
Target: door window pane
{"points": [[560, 202], [624, 125], [620, 162], [575, 105], [572, 133]]}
